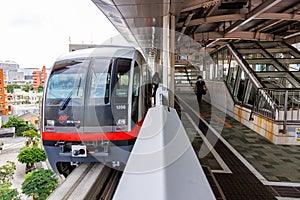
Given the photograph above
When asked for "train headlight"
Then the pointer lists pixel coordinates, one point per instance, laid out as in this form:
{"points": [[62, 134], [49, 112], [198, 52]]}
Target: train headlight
{"points": [[121, 122], [50, 122]]}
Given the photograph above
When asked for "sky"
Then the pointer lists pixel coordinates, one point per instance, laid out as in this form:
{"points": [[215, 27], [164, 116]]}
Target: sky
{"points": [[34, 33]]}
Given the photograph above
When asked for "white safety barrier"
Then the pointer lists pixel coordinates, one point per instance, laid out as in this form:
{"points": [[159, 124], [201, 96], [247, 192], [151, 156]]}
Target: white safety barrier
{"points": [[163, 164]]}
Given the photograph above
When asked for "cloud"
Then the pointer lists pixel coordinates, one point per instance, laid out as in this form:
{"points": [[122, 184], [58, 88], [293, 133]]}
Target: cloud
{"points": [[29, 20], [35, 32]]}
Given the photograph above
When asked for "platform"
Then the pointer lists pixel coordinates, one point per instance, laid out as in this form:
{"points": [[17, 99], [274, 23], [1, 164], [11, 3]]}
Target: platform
{"points": [[246, 165]]}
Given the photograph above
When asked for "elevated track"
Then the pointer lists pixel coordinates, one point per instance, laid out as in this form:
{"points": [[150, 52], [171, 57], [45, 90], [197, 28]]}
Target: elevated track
{"points": [[89, 181]]}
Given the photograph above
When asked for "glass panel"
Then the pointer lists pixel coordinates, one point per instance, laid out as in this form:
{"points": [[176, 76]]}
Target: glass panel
{"points": [[64, 97], [66, 81], [122, 75], [227, 59], [135, 95], [252, 95], [100, 81], [242, 87], [136, 81], [232, 75]]}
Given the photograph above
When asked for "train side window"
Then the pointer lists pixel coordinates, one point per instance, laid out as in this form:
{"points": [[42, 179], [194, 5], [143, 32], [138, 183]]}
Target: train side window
{"points": [[136, 80], [135, 93], [122, 79], [100, 81]]}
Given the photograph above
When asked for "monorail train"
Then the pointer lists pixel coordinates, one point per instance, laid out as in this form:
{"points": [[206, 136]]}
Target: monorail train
{"points": [[94, 104]]}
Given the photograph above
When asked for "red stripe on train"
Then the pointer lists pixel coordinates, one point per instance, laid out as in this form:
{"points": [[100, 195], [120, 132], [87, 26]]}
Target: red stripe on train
{"points": [[77, 136]]}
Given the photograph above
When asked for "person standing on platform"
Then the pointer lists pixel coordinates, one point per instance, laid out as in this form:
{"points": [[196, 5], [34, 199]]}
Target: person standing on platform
{"points": [[1, 146], [155, 82], [200, 89]]}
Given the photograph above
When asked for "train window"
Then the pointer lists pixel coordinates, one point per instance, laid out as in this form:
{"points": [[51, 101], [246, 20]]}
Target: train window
{"points": [[100, 81], [67, 81], [122, 76], [135, 94], [136, 80]]}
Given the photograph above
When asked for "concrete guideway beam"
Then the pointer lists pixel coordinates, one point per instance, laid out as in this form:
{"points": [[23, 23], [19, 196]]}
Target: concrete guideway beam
{"points": [[85, 182], [163, 164]]}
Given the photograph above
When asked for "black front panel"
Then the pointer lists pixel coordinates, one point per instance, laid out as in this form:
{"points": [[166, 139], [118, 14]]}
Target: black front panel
{"points": [[64, 98], [88, 95]]}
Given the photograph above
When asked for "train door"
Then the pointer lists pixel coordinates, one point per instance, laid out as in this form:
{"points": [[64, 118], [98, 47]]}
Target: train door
{"points": [[147, 88], [121, 80], [135, 97], [98, 114]]}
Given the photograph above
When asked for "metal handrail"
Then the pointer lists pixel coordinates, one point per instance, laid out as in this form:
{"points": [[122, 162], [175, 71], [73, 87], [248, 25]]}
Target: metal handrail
{"points": [[280, 105]]}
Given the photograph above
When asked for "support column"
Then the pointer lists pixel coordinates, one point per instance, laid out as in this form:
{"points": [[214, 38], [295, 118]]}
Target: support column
{"points": [[168, 55], [166, 49]]}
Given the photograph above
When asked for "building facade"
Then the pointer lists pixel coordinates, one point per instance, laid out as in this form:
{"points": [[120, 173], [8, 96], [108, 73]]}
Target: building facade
{"points": [[20, 97], [39, 78], [3, 95], [9, 66]]}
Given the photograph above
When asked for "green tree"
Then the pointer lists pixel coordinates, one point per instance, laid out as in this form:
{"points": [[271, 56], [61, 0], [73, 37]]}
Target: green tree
{"points": [[33, 138], [6, 175], [27, 87], [40, 184], [7, 172], [7, 193], [30, 156], [10, 87], [26, 102], [40, 89], [19, 124]]}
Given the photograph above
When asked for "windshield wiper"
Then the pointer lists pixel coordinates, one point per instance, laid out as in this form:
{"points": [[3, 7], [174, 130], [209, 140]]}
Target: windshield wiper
{"points": [[68, 98], [66, 101], [78, 86]]}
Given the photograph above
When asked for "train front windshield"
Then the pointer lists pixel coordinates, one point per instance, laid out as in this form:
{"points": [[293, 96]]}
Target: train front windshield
{"points": [[66, 81], [70, 92]]}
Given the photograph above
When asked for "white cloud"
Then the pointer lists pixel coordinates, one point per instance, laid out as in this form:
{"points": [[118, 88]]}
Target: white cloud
{"points": [[35, 32]]}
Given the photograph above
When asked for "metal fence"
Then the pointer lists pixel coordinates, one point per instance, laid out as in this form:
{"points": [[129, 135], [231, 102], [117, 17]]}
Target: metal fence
{"points": [[280, 105]]}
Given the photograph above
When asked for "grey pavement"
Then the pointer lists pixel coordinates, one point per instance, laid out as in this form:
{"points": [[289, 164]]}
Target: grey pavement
{"points": [[277, 163]]}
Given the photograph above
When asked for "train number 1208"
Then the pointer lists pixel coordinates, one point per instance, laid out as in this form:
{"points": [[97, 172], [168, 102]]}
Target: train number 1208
{"points": [[120, 107]]}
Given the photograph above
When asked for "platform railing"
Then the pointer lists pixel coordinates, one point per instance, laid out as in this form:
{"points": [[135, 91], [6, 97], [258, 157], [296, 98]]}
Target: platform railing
{"points": [[280, 105]]}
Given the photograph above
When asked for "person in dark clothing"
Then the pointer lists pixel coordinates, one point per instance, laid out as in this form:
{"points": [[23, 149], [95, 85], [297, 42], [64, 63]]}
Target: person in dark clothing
{"points": [[200, 89], [155, 82], [1, 146]]}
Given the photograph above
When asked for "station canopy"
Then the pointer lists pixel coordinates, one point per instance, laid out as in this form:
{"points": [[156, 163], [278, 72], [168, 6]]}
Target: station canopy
{"points": [[212, 23]]}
